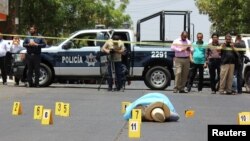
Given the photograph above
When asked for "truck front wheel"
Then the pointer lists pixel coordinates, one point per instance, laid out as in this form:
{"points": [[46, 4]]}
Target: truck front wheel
{"points": [[45, 78], [157, 78]]}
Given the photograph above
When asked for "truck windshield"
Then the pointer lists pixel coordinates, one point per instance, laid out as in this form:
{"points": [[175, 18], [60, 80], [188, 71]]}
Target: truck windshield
{"points": [[57, 42]]}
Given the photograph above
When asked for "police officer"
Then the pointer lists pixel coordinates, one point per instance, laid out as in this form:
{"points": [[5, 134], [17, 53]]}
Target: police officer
{"points": [[33, 44], [3, 51], [239, 43], [114, 48]]}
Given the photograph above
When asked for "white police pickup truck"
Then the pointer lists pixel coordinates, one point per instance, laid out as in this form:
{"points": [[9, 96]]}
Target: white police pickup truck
{"points": [[246, 67], [81, 59]]}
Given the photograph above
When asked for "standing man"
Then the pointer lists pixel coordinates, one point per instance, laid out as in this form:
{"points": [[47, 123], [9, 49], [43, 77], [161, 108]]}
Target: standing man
{"points": [[3, 51], [213, 61], [114, 48], [240, 44], [16, 48], [33, 44], [228, 59], [198, 58], [181, 46]]}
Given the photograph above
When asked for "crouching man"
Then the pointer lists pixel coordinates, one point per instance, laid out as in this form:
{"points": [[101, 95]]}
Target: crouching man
{"points": [[155, 107]]}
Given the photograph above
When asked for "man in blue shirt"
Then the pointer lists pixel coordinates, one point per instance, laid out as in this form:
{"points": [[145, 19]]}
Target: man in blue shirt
{"points": [[198, 58], [33, 44]]}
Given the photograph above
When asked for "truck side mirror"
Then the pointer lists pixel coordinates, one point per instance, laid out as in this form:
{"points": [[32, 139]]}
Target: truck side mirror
{"points": [[67, 45]]}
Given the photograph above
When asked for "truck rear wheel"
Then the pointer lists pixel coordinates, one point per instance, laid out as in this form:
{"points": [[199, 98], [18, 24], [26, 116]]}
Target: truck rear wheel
{"points": [[157, 78], [247, 81]]}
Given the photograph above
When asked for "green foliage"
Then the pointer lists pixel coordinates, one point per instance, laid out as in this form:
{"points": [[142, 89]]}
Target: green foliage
{"points": [[57, 17], [227, 16]]}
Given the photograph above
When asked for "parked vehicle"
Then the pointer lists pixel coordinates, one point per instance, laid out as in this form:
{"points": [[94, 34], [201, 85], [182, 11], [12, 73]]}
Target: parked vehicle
{"points": [[246, 67], [75, 58]]}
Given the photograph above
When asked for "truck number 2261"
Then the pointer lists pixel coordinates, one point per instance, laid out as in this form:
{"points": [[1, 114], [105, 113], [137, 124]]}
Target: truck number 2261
{"points": [[159, 54]]}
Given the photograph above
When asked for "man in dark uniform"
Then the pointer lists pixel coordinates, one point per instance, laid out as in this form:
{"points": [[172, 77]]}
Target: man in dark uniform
{"points": [[33, 44], [240, 44]]}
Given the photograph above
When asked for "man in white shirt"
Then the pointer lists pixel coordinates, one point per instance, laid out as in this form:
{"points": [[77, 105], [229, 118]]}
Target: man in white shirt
{"points": [[3, 51]]}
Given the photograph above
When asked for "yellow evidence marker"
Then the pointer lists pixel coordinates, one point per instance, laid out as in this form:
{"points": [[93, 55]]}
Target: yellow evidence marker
{"points": [[136, 114], [244, 118], [47, 117], [58, 108], [38, 112], [17, 108], [124, 106], [134, 128], [189, 113], [65, 112]]}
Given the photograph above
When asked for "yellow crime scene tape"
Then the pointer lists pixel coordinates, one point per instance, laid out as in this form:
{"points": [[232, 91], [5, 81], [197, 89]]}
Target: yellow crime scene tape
{"points": [[127, 42]]}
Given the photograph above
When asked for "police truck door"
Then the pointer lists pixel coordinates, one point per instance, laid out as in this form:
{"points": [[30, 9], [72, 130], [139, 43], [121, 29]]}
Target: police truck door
{"points": [[82, 57]]}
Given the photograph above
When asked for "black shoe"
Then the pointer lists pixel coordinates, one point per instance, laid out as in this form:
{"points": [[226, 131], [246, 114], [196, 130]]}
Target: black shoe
{"points": [[110, 89], [29, 85], [182, 91], [16, 84], [4, 83], [117, 89]]}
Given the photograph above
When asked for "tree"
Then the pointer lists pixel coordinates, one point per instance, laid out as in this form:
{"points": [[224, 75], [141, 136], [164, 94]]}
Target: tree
{"points": [[227, 16], [54, 17]]}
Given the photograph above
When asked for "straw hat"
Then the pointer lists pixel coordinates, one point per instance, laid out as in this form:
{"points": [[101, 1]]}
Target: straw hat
{"points": [[157, 111]]}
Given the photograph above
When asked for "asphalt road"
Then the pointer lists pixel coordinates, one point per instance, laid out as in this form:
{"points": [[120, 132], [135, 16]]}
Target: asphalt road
{"points": [[96, 115]]}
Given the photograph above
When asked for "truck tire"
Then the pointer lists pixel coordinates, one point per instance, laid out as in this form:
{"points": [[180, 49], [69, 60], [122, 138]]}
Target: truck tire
{"points": [[247, 81], [157, 78], [45, 78]]}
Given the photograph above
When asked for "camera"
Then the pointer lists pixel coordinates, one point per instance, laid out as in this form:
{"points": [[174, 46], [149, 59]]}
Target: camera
{"points": [[112, 51]]}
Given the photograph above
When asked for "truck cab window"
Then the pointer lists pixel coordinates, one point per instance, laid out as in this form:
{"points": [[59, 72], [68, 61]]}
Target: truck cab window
{"points": [[83, 40]]}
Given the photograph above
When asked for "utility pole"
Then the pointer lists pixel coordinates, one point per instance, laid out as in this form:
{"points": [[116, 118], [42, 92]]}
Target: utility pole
{"points": [[12, 19], [17, 15], [193, 30]]}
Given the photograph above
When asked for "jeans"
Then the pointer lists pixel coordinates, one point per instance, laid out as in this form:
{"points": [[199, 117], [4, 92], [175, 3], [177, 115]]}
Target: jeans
{"points": [[3, 69], [214, 71], [238, 70], [115, 74], [193, 74], [33, 62]]}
